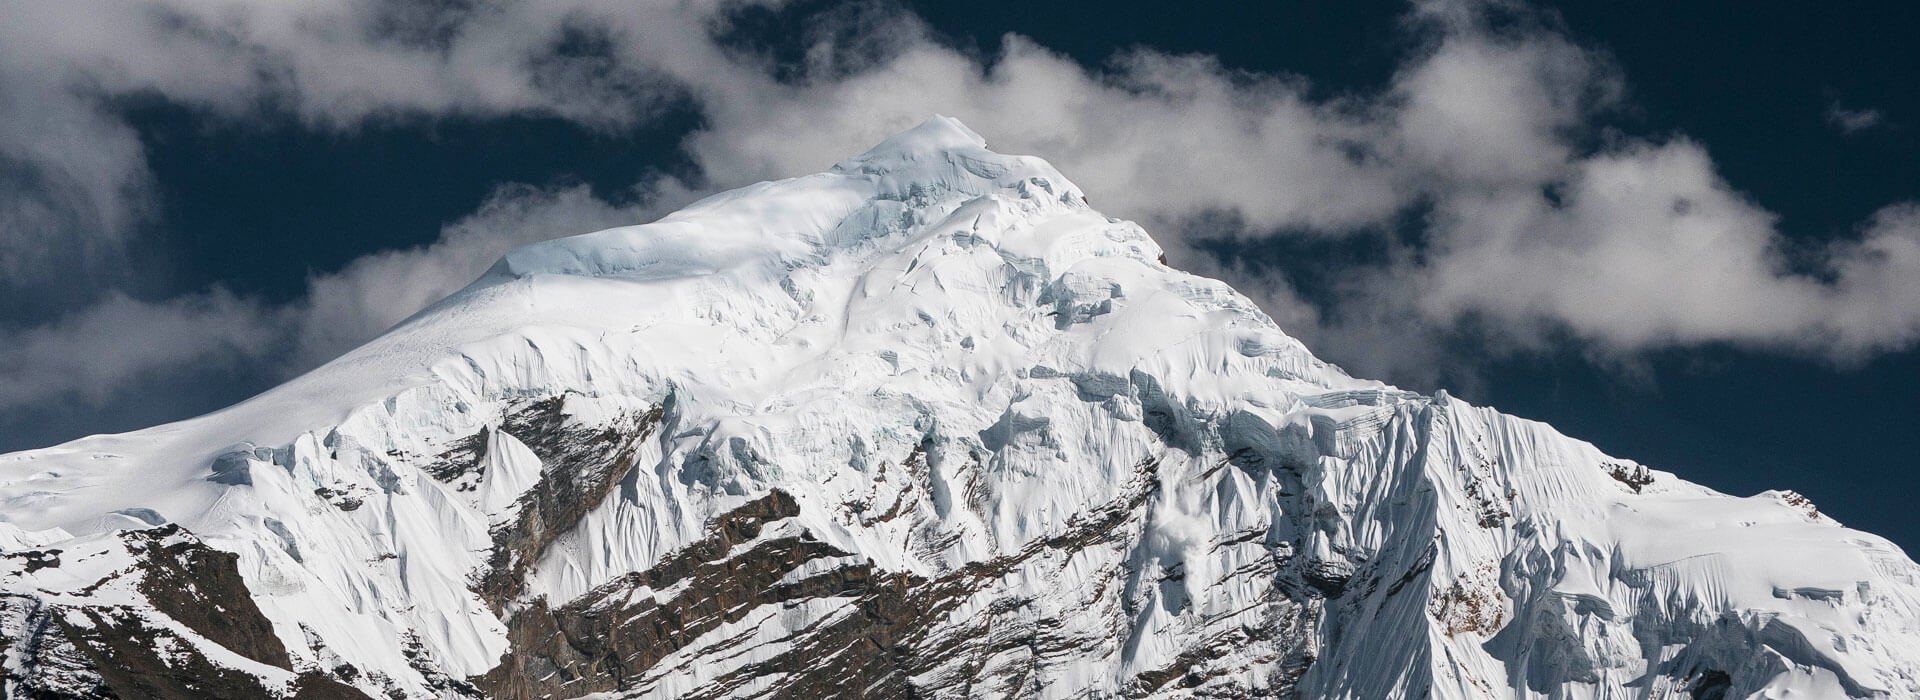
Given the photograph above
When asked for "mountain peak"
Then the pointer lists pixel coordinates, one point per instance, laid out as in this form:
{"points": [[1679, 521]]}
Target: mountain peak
{"points": [[942, 154], [924, 422], [937, 135], [927, 170]]}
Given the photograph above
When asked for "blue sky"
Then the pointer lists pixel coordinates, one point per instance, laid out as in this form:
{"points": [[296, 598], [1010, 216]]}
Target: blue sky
{"points": [[1677, 230]]}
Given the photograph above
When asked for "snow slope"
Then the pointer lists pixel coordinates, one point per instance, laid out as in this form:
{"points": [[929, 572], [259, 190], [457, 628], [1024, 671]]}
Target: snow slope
{"points": [[924, 424]]}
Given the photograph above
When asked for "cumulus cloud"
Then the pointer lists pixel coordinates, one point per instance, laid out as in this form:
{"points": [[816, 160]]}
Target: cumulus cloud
{"points": [[1475, 171], [1153, 135], [1643, 246], [74, 185]]}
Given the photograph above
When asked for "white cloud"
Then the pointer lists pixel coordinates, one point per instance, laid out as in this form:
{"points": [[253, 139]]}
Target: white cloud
{"points": [[94, 354], [89, 355], [346, 308], [1647, 247], [1154, 136], [75, 184], [1485, 135]]}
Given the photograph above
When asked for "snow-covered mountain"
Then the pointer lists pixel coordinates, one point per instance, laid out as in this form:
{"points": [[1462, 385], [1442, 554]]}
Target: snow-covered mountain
{"points": [[925, 425]]}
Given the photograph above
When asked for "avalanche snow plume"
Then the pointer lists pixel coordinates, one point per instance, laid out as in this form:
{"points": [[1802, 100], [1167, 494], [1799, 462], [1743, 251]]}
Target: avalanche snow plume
{"points": [[924, 425]]}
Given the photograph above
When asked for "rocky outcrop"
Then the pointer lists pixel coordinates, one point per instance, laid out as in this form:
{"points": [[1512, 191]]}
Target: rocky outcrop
{"points": [[187, 631], [580, 464], [867, 632]]}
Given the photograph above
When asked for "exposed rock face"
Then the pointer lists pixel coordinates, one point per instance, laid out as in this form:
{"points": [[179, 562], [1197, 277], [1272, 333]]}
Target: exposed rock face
{"points": [[888, 628], [926, 425], [581, 465], [603, 640], [184, 614]]}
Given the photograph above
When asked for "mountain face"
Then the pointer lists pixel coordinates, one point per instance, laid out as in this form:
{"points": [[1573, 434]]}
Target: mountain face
{"points": [[925, 425]]}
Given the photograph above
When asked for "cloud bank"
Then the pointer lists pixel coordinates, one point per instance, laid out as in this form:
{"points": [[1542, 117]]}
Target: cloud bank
{"points": [[1475, 173]]}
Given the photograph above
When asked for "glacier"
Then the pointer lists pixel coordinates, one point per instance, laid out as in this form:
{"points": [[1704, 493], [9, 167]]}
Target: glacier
{"points": [[924, 425]]}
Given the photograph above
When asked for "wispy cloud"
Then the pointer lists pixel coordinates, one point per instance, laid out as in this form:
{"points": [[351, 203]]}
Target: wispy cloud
{"points": [[93, 354], [1849, 121]]}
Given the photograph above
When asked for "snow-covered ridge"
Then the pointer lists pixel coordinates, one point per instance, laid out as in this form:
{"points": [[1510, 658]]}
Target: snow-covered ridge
{"points": [[801, 221], [929, 398]]}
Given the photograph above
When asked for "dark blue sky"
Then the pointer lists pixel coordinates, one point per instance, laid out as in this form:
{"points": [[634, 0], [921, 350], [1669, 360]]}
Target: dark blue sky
{"points": [[258, 207]]}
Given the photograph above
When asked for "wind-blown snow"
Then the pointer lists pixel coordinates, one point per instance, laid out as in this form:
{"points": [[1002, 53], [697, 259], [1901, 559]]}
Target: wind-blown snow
{"points": [[932, 297]]}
